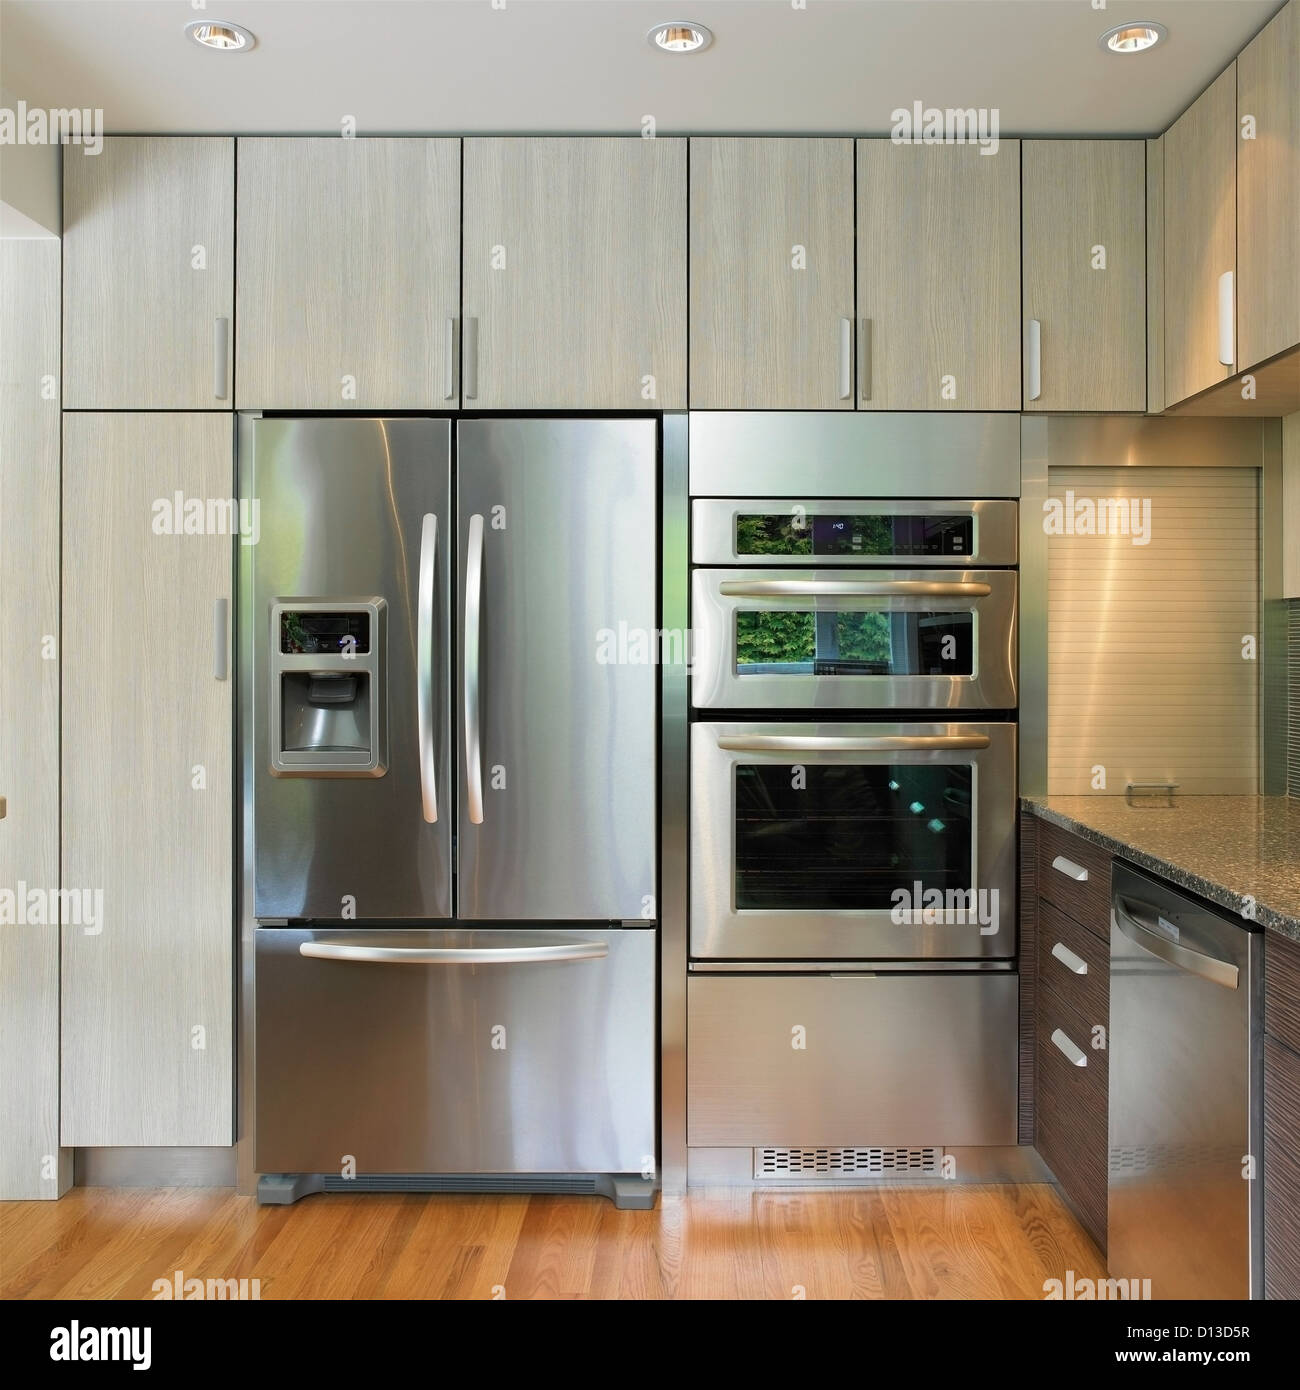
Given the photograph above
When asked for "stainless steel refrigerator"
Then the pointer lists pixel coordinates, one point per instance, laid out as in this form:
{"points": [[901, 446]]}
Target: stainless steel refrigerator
{"points": [[452, 776]]}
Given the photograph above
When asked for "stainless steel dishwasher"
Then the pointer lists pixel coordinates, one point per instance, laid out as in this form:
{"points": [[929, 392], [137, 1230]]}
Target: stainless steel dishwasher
{"points": [[1186, 1118]]}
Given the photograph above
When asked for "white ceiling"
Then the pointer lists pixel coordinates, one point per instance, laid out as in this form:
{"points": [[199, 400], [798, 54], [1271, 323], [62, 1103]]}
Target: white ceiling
{"points": [[406, 66]]}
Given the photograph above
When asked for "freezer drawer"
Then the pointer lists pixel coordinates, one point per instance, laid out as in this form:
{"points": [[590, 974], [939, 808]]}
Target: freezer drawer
{"points": [[852, 1060], [483, 1051]]}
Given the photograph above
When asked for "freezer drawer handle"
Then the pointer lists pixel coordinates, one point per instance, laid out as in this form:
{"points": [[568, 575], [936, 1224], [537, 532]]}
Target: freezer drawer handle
{"points": [[809, 743], [830, 588], [1070, 869], [1076, 1056], [455, 955], [424, 668], [1138, 922], [1075, 964], [473, 620]]}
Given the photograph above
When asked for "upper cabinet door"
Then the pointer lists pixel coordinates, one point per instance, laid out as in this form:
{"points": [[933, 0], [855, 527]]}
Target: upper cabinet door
{"points": [[349, 274], [938, 276], [575, 274], [148, 273], [771, 274], [1084, 274], [1268, 191], [1200, 239]]}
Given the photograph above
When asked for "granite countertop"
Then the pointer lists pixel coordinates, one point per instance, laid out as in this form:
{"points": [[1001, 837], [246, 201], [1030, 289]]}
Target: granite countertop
{"points": [[1226, 848]]}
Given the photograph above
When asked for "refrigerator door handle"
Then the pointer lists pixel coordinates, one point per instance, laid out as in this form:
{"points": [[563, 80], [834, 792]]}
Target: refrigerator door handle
{"points": [[473, 624], [455, 955], [424, 667]]}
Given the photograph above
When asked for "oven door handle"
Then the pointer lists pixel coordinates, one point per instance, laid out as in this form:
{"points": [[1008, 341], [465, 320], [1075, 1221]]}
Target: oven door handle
{"points": [[831, 588], [812, 743]]}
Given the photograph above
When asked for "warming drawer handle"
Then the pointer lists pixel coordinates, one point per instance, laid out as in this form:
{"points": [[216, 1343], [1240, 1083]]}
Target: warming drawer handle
{"points": [[473, 623], [1074, 1055], [424, 668], [454, 955], [1139, 922], [1070, 869], [1075, 964], [830, 588], [811, 743]]}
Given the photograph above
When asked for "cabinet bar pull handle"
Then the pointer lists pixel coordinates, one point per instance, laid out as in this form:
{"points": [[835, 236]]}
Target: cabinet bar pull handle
{"points": [[1075, 1056], [449, 377], [864, 362], [1070, 869], [846, 359], [1226, 335], [220, 666], [220, 352], [1034, 353], [1075, 964]]}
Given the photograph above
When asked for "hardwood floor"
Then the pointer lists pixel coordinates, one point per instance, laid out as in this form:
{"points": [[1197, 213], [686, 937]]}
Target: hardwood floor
{"points": [[996, 1242]]}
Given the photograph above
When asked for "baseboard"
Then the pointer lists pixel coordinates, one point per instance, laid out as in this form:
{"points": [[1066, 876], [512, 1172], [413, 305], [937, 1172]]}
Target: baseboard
{"points": [[154, 1167]]}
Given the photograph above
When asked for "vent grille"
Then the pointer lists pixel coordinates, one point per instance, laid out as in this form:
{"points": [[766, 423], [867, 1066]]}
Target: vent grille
{"points": [[846, 1163]]}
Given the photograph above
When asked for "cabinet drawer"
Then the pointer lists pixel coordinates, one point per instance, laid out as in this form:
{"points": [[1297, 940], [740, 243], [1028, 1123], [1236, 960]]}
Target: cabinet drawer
{"points": [[1072, 1127], [1064, 950], [1054, 1013], [852, 1060], [1061, 858], [1282, 989]]}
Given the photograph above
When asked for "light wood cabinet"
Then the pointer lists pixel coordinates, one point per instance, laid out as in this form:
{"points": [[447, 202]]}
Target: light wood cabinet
{"points": [[31, 1164], [1268, 191], [575, 274], [148, 273], [349, 274], [1084, 274], [771, 249], [1200, 214], [146, 791], [938, 276]]}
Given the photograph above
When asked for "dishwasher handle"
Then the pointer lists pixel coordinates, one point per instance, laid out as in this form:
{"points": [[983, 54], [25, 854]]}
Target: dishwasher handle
{"points": [[1139, 922]]}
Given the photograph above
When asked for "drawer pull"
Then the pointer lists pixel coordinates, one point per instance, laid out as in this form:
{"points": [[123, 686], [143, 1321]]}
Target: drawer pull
{"points": [[1070, 869], [1075, 1056], [1075, 964]]}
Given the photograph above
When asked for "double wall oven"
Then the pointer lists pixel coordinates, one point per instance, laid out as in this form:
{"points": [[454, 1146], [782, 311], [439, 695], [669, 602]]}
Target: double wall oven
{"points": [[853, 794]]}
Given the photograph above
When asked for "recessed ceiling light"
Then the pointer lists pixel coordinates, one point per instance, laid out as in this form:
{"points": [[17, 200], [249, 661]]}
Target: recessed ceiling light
{"points": [[680, 36], [219, 34], [1133, 38]]}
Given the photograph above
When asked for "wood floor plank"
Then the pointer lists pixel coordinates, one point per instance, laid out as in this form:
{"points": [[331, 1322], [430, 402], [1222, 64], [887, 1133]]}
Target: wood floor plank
{"points": [[886, 1242]]}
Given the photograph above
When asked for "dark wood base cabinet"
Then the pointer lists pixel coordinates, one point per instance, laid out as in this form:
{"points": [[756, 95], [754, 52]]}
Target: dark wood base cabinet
{"points": [[1281, 1118], [1070, 962]]}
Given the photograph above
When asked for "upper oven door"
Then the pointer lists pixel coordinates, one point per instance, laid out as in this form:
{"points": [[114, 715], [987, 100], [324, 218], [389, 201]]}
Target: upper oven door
{"points": [[853, 841], [860, 639]]}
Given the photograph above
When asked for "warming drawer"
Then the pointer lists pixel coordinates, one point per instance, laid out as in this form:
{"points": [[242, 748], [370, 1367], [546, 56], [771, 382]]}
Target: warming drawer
{"points": [[881, 1061]]}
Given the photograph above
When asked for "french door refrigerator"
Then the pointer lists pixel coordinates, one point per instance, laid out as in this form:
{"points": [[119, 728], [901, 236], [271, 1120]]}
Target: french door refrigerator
{"points": [[451, 780]]}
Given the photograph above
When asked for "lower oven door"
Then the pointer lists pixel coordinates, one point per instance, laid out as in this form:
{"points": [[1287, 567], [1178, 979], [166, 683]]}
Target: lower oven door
{"points": [[455, 1051], [853, 841], [854, 639]]}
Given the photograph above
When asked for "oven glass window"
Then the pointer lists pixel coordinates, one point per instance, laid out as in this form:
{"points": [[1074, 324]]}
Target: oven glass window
{"points": [[881, 643], [822, 838]]}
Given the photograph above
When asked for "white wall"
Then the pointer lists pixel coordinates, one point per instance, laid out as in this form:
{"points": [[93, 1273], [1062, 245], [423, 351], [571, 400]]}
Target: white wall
{"points": [[29, 186]]}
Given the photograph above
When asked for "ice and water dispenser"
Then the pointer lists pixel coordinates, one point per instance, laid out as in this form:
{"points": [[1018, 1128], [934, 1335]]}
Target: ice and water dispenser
{"points": [[328, 700]]}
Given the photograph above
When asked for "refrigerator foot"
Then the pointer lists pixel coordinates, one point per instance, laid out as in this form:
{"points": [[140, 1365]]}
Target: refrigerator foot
{"points": [[627, 1192], [283, 1189]]}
